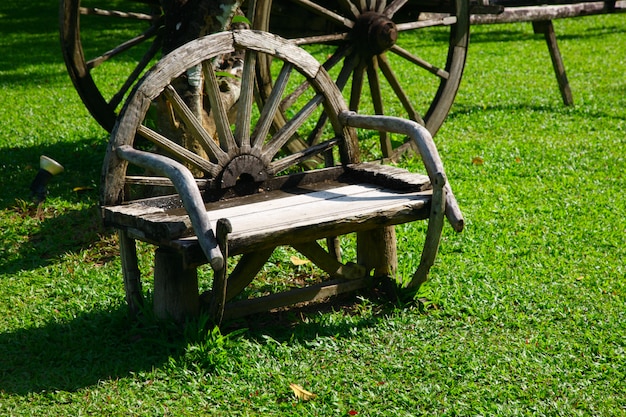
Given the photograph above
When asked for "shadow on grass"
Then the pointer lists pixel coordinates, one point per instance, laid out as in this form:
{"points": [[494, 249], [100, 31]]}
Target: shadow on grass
{"points": [[105, 345], [56, 236], [29, 32], [81, 159], [69, 220], [460, 109], [72, 355], [506, 32], [302, 323]]}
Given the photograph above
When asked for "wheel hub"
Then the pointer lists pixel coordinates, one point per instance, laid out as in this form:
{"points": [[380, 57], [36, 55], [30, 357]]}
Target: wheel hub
{"points": [[243, 173], [374, 33]]}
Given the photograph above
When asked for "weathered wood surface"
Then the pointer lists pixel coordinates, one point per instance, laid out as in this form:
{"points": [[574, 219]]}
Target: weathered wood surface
{"points": [[283, 217], [299, 295], [546, 28], [175, 287], [535, 13]]}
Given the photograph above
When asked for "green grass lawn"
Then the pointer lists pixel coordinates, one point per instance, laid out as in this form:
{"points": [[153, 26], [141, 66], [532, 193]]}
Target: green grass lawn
{"points": [[526, 310]]}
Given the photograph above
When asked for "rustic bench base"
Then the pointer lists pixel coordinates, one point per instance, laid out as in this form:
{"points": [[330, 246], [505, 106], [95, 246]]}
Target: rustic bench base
{"points": [[337, 203]]}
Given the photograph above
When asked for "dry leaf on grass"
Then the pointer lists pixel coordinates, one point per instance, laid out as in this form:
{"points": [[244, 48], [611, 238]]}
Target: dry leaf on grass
{"points": [[301, 393], [297, 261]]}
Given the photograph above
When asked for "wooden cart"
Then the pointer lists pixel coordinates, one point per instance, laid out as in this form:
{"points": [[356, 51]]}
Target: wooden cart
{"points": [[431, 35]]}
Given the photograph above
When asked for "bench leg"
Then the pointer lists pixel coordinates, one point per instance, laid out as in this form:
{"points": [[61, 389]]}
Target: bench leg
{"points": [[376, 250], [131, 273], [175, 287], [328, 261], [218, 292], [546, 28]]}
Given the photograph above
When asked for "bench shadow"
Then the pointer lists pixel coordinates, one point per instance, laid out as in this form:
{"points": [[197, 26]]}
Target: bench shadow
{"points": [[461, 109], [502, 33], [106, 345], [300, 323], [72, 355]]}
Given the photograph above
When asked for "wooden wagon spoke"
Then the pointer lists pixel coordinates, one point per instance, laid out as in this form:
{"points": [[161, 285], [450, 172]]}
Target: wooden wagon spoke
{"points": [[271, 107], [94, 11], [194, 125], [226, 138], [287, 132], [349, 5], [349, 64], [397, 88], [134, 75], [244, 110], [178, 151], [380, 5], [377, 101], [327, 13], [331, 38], [123, 47], [315, 135], [301, 156], [357, 87], [334, 59], [441, 73], [392, 8], [292, 97], [420, 24]]}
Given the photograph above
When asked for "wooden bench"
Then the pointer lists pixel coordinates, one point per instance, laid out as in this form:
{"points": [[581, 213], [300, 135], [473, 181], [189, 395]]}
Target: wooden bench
{"points": [[244, 192]]}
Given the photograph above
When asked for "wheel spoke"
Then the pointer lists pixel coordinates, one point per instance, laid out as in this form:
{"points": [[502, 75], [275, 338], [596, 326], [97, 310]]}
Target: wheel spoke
{"points": [[271, 106], [301, 156], [286, 132], [377, 101], [357, 87], [329, 14], [316, 133], [123, 47], [178, 151], [349, 5], [194, 125], [134, 75], [420, 24], [441, 73], [397, 88], [244, 110], [226, 138], [333, 37], [395, 5], [116, 13], [349, 64], [335, 58]]}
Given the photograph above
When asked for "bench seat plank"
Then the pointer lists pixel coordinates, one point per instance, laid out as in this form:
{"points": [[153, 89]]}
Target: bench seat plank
{"points": [[280, 216]]}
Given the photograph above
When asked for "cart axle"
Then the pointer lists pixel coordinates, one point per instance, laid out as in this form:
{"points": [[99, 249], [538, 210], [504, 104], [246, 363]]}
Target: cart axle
{"points": [[374, 33]]}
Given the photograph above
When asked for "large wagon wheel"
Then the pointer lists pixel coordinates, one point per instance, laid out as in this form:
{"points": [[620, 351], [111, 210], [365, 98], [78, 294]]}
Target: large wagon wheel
{"points": [[372, 42], [244, 150], [86, 49], [95, 33]]}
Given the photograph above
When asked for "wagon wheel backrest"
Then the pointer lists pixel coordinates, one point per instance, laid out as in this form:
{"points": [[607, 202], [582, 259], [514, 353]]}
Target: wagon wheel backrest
{"points": [[220, 130]]}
